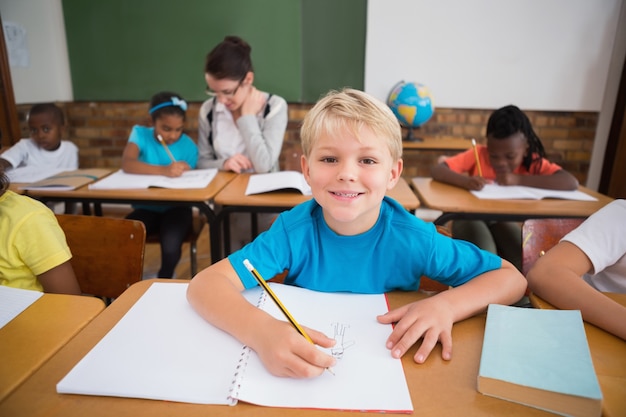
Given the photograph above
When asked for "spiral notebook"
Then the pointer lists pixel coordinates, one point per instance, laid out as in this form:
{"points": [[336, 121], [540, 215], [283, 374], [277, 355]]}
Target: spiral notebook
{"points": [[162, 350]]}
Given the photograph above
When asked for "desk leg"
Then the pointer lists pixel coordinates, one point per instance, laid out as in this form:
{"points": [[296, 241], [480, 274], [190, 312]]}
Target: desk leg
{"points": [[226, 227], [214, 238], [254, 225]]}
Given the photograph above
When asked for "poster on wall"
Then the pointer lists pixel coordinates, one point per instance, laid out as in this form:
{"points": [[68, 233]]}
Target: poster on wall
{"points": [[17, 46]]}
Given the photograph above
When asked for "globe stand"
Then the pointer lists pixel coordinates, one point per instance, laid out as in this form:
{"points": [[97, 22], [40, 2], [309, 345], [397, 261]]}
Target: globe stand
{"points": [[410, 138]]}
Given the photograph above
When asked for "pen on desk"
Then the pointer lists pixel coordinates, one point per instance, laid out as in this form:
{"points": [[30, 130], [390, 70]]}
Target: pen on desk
{"points": [[278, 303], [480, 171], [166, 148]]}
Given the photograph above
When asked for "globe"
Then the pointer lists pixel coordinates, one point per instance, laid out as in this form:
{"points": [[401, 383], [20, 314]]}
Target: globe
{"points": [[412, 105]]}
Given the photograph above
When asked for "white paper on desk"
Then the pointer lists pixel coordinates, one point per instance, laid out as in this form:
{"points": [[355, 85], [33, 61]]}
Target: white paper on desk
{"points": [[13, 301], [161, 349], [30, 174], [519, 192], [119, 180], [274, 181]]}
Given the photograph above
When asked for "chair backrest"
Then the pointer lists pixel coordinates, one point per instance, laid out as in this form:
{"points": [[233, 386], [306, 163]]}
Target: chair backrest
{"points": [[107, 253], [539, 235]]}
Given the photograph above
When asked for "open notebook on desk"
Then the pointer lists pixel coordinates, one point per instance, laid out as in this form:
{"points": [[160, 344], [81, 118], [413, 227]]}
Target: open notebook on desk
{"points": [[274, 181], [15, 300], [29, 174], [68, 180], [120, 180], [163, 350], [519, 192]]}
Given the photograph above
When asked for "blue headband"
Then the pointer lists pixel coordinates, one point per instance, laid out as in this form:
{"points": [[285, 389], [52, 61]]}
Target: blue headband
{"points": [[175, 102]]}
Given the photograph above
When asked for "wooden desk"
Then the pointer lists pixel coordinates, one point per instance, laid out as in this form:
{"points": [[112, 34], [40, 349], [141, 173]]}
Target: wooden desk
{"points": [[443, 143], [31, 338], [232, 199], [438, 388], [609, 360], [193, 197], [458, 203]]}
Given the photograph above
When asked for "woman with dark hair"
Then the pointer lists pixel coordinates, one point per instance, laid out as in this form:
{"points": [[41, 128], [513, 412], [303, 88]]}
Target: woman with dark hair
{"points": [[240, 128]]}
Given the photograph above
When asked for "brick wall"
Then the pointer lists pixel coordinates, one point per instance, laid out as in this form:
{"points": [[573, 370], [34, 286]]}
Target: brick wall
{"points": [[100, 130]]}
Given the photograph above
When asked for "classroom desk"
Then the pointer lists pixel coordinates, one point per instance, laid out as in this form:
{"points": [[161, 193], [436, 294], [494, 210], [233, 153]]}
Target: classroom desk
{"points": [[232, 199], [608, 353], [37, 333], [193, 197], [458, 203], [438, 388], [442, 143]]}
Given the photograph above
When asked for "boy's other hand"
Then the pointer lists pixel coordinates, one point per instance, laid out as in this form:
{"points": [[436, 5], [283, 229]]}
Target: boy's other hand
{"points": [[427, 319]]}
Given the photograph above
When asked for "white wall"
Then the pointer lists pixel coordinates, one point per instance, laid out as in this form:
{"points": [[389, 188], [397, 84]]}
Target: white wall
{"points": [[537, 54], [47, 78], [618, 60]]}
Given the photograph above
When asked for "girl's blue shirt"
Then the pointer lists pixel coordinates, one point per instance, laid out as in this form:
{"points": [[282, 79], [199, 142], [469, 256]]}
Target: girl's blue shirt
{"points": [[151, 151]]}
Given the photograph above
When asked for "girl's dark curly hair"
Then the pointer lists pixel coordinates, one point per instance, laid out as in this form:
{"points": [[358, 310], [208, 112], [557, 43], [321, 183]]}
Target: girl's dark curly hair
{"points": [[509, 120]]}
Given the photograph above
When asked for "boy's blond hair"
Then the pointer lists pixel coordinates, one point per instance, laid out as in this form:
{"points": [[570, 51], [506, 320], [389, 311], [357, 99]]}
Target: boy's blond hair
{"points": [[351, 109]]}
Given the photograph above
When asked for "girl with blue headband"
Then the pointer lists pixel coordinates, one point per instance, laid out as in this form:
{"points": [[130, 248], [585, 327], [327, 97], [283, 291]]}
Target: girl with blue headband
{"points": [[163, 149]]}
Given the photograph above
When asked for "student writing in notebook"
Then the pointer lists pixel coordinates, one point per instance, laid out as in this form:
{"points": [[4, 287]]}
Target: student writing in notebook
{"points": [[163, 149], [35, 255], [240, 128], [514, 155], [352, 238], [589, 260], [45, 148]]}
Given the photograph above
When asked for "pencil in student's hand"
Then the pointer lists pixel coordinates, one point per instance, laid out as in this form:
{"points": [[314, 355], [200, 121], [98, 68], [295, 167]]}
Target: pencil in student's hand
{"points": [[166, 148], [278, 303], [480, 171]]}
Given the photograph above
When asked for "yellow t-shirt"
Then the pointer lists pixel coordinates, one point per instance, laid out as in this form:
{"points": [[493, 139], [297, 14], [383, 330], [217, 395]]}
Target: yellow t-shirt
{"points": [[31, 241]]}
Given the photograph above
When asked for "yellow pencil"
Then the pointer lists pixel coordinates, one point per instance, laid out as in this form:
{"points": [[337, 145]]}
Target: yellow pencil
{"points": [[278, 303], [166, 148], [480, 171]]}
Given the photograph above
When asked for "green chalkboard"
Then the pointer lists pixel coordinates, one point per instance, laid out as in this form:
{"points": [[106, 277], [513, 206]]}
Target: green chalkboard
{"points": [[128, 50], [333, 40]]}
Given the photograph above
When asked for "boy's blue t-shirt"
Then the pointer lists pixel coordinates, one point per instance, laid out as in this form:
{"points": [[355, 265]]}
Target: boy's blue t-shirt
{"points": [[392, 255]]}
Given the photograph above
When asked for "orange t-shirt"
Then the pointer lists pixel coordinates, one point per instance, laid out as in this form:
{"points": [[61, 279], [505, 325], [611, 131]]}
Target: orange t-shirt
{"points": [[465, 162]]}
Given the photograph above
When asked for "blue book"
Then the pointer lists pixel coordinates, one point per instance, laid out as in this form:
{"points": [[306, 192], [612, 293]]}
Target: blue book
{"points": [[539, 358]]}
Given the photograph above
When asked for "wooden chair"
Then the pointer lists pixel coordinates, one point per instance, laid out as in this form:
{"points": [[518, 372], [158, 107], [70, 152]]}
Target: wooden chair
{"points": [[539, 235], [107, 253], [192, 238]]}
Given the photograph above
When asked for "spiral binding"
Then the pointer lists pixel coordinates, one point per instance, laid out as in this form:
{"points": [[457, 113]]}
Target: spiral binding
{"points": [[240, 369]]}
